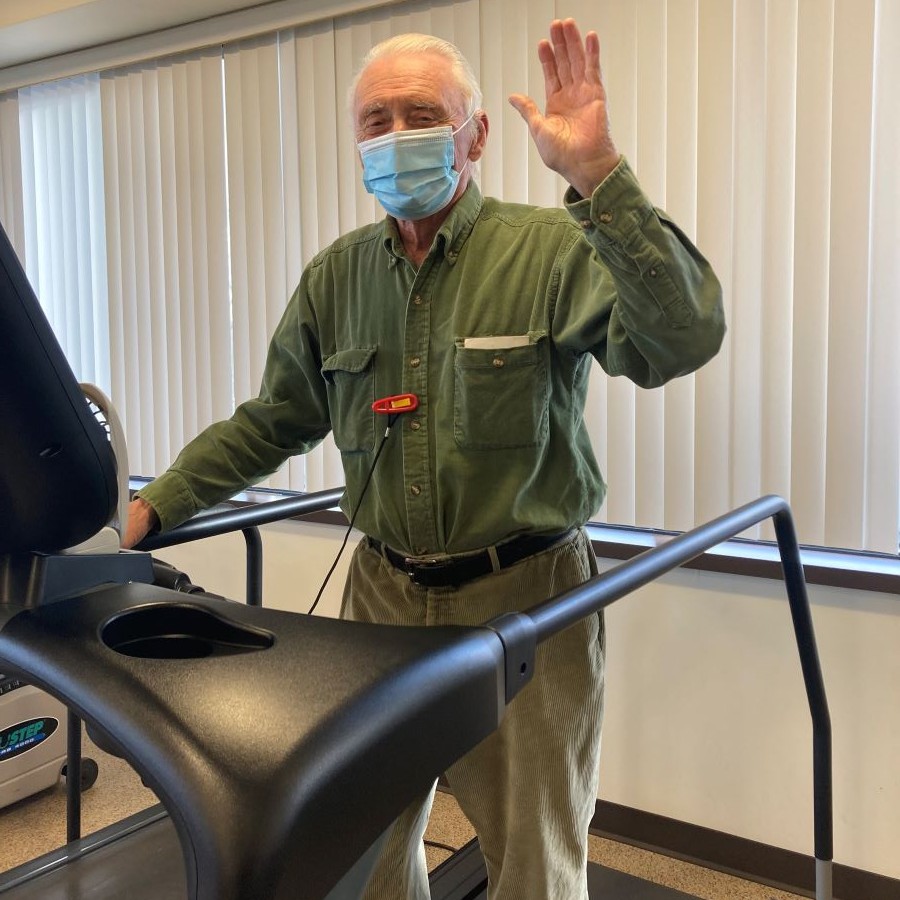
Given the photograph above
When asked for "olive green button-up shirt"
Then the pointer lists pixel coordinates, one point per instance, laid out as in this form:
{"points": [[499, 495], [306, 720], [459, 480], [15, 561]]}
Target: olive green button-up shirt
{"points": [[494, 333]]}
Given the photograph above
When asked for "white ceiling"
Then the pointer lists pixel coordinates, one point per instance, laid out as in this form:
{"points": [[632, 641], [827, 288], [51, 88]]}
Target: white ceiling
{"points": [[37, 29]]}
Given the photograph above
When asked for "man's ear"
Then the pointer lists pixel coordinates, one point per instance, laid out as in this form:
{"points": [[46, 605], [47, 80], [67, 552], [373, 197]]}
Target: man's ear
{"points": [[477, 148]]}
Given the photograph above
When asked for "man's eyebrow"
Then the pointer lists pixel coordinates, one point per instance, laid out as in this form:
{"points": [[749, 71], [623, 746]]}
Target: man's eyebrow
{"points": [[369, 108], [379, 106]]}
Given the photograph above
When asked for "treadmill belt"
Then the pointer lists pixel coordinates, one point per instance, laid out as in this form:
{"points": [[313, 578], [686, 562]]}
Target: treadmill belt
{"points": [[608, 884], [141, 862], [464, 877], [140, 859]]}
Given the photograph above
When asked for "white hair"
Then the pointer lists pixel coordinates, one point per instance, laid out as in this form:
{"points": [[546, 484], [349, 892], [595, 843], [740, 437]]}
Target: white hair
{"points": [[425, 43]]}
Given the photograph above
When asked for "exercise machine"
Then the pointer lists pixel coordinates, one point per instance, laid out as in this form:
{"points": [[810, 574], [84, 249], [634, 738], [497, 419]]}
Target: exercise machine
{"points": [[262, 732]]}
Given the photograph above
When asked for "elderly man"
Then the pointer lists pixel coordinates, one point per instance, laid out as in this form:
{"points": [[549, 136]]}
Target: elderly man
{"points": [[489, 313]]}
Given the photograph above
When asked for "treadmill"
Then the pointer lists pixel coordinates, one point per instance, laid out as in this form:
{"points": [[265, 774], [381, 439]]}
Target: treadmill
{"points": [[262, 732]]}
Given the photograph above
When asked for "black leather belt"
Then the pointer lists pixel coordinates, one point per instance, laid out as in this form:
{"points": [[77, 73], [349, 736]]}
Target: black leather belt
{"points": [[456, 570]]}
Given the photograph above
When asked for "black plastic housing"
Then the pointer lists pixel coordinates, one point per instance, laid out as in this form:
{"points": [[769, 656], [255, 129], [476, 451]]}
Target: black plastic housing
{"points": [[57, 468]]}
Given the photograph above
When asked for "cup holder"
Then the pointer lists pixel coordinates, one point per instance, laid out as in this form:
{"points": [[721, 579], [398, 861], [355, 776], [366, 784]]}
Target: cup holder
{"points": [[180, 631]]}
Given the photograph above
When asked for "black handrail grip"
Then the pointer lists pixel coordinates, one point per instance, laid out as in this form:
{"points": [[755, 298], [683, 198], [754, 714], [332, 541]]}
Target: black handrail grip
{"points": [[214, 524], [553, 616], [795, 585], [254, 565], [73, 777]]}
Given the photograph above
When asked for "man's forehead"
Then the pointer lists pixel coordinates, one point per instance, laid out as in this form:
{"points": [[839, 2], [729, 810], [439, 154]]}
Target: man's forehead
{"points": [[424, 79]]}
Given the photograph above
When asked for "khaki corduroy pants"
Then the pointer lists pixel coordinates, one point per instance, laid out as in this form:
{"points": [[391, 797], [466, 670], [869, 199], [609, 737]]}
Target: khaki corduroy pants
{"points": [[529, 789]]}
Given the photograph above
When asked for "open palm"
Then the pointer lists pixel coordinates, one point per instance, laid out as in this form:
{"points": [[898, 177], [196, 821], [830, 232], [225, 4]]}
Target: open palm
{"points": [[572, 135]]}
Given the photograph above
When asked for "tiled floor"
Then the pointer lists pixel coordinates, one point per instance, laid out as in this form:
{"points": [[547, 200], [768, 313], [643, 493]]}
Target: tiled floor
{"points": [[37, 825]]}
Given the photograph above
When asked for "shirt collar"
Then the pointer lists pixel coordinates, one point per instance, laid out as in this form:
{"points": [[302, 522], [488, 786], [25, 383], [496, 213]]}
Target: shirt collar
{"points": [[452, 234]]}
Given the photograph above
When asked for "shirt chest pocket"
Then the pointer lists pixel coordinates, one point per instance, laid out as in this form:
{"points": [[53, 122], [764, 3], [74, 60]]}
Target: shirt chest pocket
{"points": [[350, 384], [501, 396]]}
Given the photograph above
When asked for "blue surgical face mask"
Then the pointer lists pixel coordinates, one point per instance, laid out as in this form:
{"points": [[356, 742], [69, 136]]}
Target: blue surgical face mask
{"points": [[411, 173]]}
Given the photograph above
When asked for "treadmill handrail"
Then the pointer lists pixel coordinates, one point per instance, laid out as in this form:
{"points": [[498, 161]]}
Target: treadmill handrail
{"points": [[554, 615], [558, 613], [217, 523]]}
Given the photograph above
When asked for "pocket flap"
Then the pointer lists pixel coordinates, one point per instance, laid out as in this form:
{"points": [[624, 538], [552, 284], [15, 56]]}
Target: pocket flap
{"points": [[354, 361]]}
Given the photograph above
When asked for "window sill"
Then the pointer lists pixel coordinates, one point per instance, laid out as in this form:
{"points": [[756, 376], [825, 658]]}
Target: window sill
{"points": [[852, 569], [856, 570]]}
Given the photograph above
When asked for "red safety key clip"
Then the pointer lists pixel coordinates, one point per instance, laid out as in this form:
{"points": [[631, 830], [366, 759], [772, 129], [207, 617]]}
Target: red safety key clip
{"points": [[399, 403]]}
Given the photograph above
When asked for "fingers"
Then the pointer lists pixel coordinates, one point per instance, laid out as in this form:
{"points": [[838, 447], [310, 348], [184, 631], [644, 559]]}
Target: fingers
{"points": [[575, 49], [548, 64], [560, 52], [569, 62], [592, 63], [566, 60]]}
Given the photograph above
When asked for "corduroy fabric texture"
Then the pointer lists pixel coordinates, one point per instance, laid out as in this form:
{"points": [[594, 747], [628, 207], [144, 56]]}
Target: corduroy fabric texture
{"points": [[530, 788]]}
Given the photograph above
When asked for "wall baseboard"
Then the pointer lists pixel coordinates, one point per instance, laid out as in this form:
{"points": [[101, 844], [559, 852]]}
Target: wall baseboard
{"points": [[785, 870], [773, 866]]}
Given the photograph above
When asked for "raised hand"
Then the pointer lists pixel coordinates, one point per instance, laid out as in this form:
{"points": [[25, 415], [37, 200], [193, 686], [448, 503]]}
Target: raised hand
{"points": [[572, 135]]}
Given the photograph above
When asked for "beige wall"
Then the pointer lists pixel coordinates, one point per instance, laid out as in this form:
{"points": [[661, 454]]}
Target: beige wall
{"points": [[706, 717]]}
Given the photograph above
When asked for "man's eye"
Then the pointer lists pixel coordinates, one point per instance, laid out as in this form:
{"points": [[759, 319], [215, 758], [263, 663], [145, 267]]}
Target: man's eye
{"points": [[375, 123]]}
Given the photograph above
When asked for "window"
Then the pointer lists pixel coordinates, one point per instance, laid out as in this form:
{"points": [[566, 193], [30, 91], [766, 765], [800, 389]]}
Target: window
{"points": [[168, 210]]}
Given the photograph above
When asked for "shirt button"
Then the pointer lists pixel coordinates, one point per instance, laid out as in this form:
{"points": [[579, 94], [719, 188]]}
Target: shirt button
{"points": [[606, 217], [415, 490], [415, 361], [652, 273], [499, 362], [417, 299], [586, 223], [415, 425]]}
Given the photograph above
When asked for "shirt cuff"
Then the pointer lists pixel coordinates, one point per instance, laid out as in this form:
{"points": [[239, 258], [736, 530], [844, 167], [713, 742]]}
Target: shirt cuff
{"points": [[617, 207], [170, 498]]}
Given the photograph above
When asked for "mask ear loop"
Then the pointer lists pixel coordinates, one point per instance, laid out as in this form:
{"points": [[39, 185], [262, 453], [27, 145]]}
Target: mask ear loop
{"points": [[469, 119], [457, 131]]}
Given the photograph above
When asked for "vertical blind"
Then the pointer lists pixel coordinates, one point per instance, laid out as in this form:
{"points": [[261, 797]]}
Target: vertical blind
{"points": [[11, 212], [170, 324], [64, 229], [165, 214]]}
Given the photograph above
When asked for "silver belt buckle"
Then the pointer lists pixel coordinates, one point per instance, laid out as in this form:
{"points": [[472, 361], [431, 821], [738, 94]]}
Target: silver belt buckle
{"points": [[410, 566]]}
